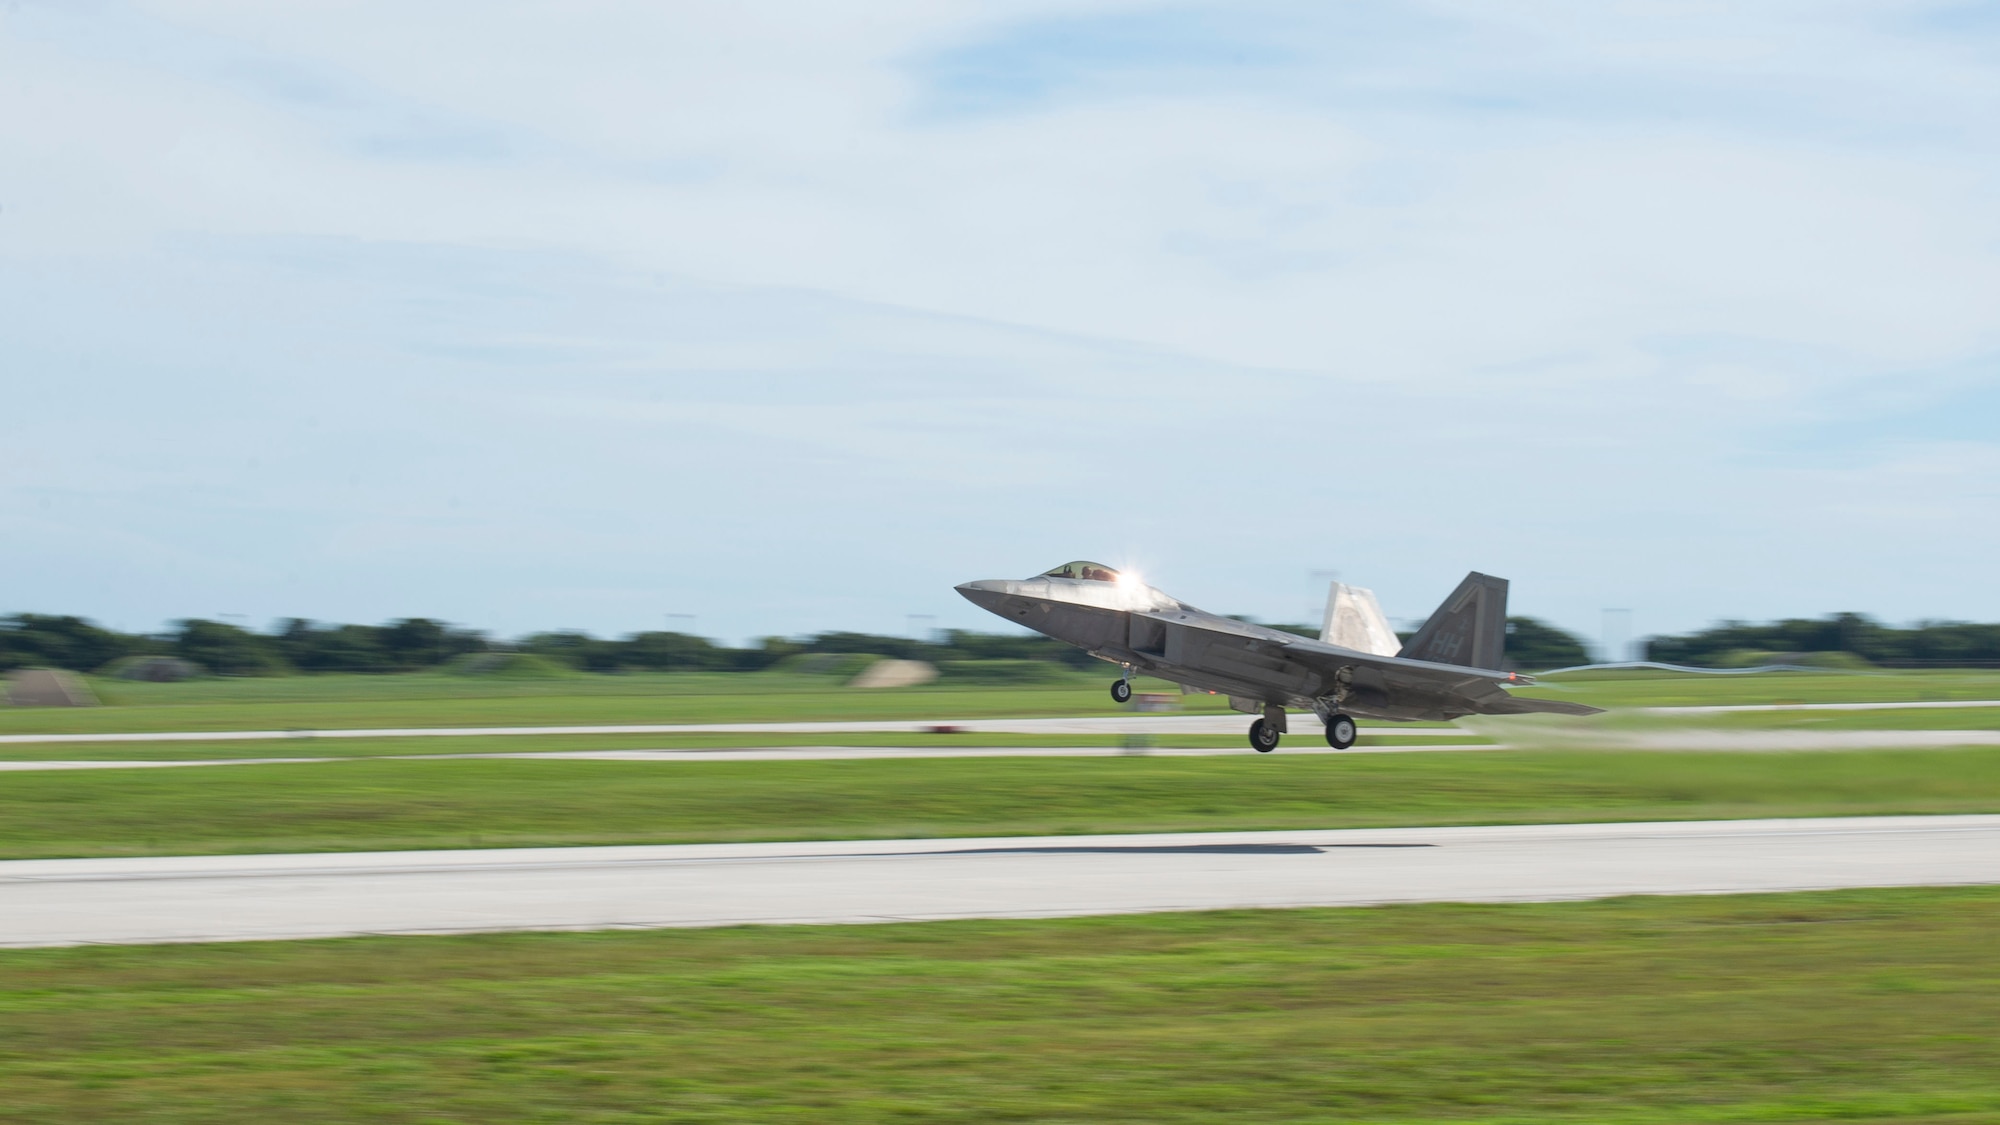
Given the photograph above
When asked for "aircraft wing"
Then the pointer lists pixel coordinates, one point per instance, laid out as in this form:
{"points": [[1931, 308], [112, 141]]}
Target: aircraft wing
{"points": [[1479, 690]]}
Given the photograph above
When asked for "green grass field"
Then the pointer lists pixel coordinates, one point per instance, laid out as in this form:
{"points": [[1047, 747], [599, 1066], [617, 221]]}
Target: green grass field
{"points": [[383, 805], [1669, 689], [432, 700], [1858, 1006], [415, 804], [1863, 1006], [311, 747]]}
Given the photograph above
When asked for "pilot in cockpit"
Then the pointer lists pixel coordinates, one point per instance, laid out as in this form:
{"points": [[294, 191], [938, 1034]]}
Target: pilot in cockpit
{"points": [[1085, 571]]}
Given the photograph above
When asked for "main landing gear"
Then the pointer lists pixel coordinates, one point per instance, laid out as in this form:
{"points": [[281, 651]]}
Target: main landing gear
{"points": [[1121, 690], [1340, 734], [1339, 731], [1263, 737]]}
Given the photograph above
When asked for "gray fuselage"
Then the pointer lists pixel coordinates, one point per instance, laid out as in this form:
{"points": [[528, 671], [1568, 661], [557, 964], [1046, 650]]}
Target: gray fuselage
{"points": [[1136, 626]]}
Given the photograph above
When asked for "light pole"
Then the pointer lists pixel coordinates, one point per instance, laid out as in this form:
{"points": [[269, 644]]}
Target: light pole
{"points": [[1617, 635], [1321, 580], [673, 664]]}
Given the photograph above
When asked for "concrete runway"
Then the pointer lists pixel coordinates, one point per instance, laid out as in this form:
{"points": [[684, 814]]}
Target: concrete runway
{"points": [[1926, 705], [230, 898], [1303, 723], [1778, 741]]}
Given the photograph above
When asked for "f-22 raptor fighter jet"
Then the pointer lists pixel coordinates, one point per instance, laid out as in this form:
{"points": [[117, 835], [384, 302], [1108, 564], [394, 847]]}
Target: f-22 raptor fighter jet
{"points": [[1448, 669]]}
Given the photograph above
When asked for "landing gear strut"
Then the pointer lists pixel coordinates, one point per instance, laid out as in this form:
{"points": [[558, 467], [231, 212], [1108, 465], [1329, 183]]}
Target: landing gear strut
{"points": [[1263, 737], [1340, 731]]}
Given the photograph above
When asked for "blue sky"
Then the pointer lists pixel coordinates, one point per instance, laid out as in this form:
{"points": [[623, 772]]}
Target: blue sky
{"points": [[786, 318]]}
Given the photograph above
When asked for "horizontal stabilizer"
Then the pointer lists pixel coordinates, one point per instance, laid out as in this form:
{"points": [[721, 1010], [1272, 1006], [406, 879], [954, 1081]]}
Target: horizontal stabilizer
{"points": [[1522, 705]]}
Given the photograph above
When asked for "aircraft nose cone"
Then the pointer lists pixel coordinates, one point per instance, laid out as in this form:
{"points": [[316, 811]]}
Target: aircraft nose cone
{"points": [[986, 593]]}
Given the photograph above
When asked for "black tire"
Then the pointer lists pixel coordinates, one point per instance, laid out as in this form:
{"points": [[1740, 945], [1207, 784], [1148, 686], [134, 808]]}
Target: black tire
{"points": [[1120, 691], [1340, 732], [1262, 738]]}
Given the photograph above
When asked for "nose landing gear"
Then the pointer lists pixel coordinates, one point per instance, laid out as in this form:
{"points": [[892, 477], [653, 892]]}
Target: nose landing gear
{"points": [[1121, 690]]}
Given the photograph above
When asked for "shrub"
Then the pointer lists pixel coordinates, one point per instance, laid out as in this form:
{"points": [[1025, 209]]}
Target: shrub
{"points": [[509, 665], [842, 664], [1000, 672]]}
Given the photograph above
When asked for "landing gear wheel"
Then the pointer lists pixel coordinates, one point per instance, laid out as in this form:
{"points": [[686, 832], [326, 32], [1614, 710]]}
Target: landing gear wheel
{"points": [[1340, 732], [1120, 691], [1263, 739]]}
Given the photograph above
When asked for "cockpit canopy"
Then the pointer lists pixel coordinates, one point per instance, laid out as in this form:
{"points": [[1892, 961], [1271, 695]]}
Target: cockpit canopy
{"points": [[1086, 571]]}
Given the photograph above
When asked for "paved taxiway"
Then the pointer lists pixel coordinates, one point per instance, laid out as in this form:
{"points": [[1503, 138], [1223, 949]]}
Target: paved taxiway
{"points": [[749, 754], [1545, 736], [226, 898]]}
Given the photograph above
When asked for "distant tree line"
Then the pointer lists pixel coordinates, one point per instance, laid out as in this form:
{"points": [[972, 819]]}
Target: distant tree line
{"points": [[680, 652], [295, 645], [1535, 645], [411, 644], [1925, 644], [35, 640]]}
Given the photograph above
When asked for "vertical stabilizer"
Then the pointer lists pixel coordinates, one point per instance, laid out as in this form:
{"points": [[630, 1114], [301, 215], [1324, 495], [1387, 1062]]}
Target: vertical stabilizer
{"points": [[1470, 628], [1354, 620]]}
